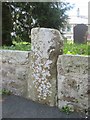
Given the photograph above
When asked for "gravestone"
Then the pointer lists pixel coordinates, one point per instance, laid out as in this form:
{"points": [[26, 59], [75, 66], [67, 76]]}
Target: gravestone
{"points": [[80, 33], [46, 47]]}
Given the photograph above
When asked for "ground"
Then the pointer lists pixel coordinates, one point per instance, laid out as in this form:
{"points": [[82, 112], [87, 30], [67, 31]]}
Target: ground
{"points": [[19, 107]]}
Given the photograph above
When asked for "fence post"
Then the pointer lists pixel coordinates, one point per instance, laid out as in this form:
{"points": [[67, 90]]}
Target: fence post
{"points": [[46, 47]]}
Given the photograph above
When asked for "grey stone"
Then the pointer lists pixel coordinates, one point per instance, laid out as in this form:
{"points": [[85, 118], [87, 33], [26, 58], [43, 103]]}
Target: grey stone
{"points": [[15, 68], [73, 84], [46, 46]]}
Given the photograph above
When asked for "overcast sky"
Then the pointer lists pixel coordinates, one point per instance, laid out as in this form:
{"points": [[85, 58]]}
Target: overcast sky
{"points": [[81, 4]]}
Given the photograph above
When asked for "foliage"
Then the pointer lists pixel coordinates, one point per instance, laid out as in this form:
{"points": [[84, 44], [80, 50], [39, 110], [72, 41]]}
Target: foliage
{"points": [[22, 20], [7, 24], [69, 47], [23, 46], [67, 109], [26, 15], [5, 92], [76, 49], [50, 14]]}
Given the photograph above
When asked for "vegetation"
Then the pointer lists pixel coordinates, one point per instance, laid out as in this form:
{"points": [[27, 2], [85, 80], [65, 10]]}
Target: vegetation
{"points": [[7, 25], [76, 49], [67, 109], [69, 47], [23, 46], [19, 18], [5, 92]]}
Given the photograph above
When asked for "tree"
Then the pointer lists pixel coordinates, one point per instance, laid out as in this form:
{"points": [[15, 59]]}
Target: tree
{"points": [[51, 15], [22, 20], [7, 24], [26, 15]]}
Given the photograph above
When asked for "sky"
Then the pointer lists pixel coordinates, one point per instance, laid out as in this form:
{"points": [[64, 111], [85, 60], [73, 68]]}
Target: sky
{"points": [[81, 4]]}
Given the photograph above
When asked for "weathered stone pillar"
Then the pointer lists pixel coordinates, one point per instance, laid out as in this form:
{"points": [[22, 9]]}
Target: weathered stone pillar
{"points": [[46, 46], [88, 21]]}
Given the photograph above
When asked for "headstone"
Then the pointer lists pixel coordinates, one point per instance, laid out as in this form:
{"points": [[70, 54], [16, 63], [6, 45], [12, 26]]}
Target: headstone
{"points": [[46, 47], [80, 33]]}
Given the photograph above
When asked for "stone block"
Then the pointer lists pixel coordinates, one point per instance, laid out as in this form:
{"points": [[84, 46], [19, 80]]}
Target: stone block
{"points": [[46, 47], [73, 81], [15, 69], [15, 57]]}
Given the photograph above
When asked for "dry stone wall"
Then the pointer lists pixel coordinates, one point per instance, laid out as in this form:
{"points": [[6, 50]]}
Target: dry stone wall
{"points": [[15, 67], [73, 81]]}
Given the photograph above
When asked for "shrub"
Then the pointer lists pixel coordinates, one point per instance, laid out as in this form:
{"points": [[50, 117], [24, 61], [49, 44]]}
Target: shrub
{"points": [[76, 49], [23, 46]]}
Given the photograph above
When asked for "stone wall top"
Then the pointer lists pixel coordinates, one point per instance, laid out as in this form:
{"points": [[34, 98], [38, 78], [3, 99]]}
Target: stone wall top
{"points": [[14, 69], [14, 56], [73, 63]]}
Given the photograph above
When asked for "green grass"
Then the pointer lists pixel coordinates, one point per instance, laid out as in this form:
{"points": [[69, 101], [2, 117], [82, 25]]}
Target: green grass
{"points": [[69, 48], [23, 46], [76, 49]]}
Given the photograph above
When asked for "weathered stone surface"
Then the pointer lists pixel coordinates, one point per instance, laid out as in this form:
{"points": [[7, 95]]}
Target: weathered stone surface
{"points": [[89, 16], [0, 70], [15, 67], [88, 37], [46, 46], [73, 81], [17, 57]]}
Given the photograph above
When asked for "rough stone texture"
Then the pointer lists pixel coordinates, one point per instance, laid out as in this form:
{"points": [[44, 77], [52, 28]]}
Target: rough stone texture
{"points": [[0, 71], [89, 16], [88, 21], [46, 46], [73, 81], [0, 86], [15, 67]]}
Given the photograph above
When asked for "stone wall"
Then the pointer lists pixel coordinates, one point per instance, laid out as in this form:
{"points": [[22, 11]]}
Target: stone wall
{"points": [[44, 75], [72, 78], [15, 67], [73, 81]]}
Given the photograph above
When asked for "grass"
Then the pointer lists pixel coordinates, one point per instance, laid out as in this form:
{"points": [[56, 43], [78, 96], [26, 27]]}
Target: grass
{"points": [[76, 49], [69, 47], [23, 46]]}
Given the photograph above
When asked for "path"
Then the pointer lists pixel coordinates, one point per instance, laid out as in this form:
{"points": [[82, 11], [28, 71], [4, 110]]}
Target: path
{"points": [[19, 107]]}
